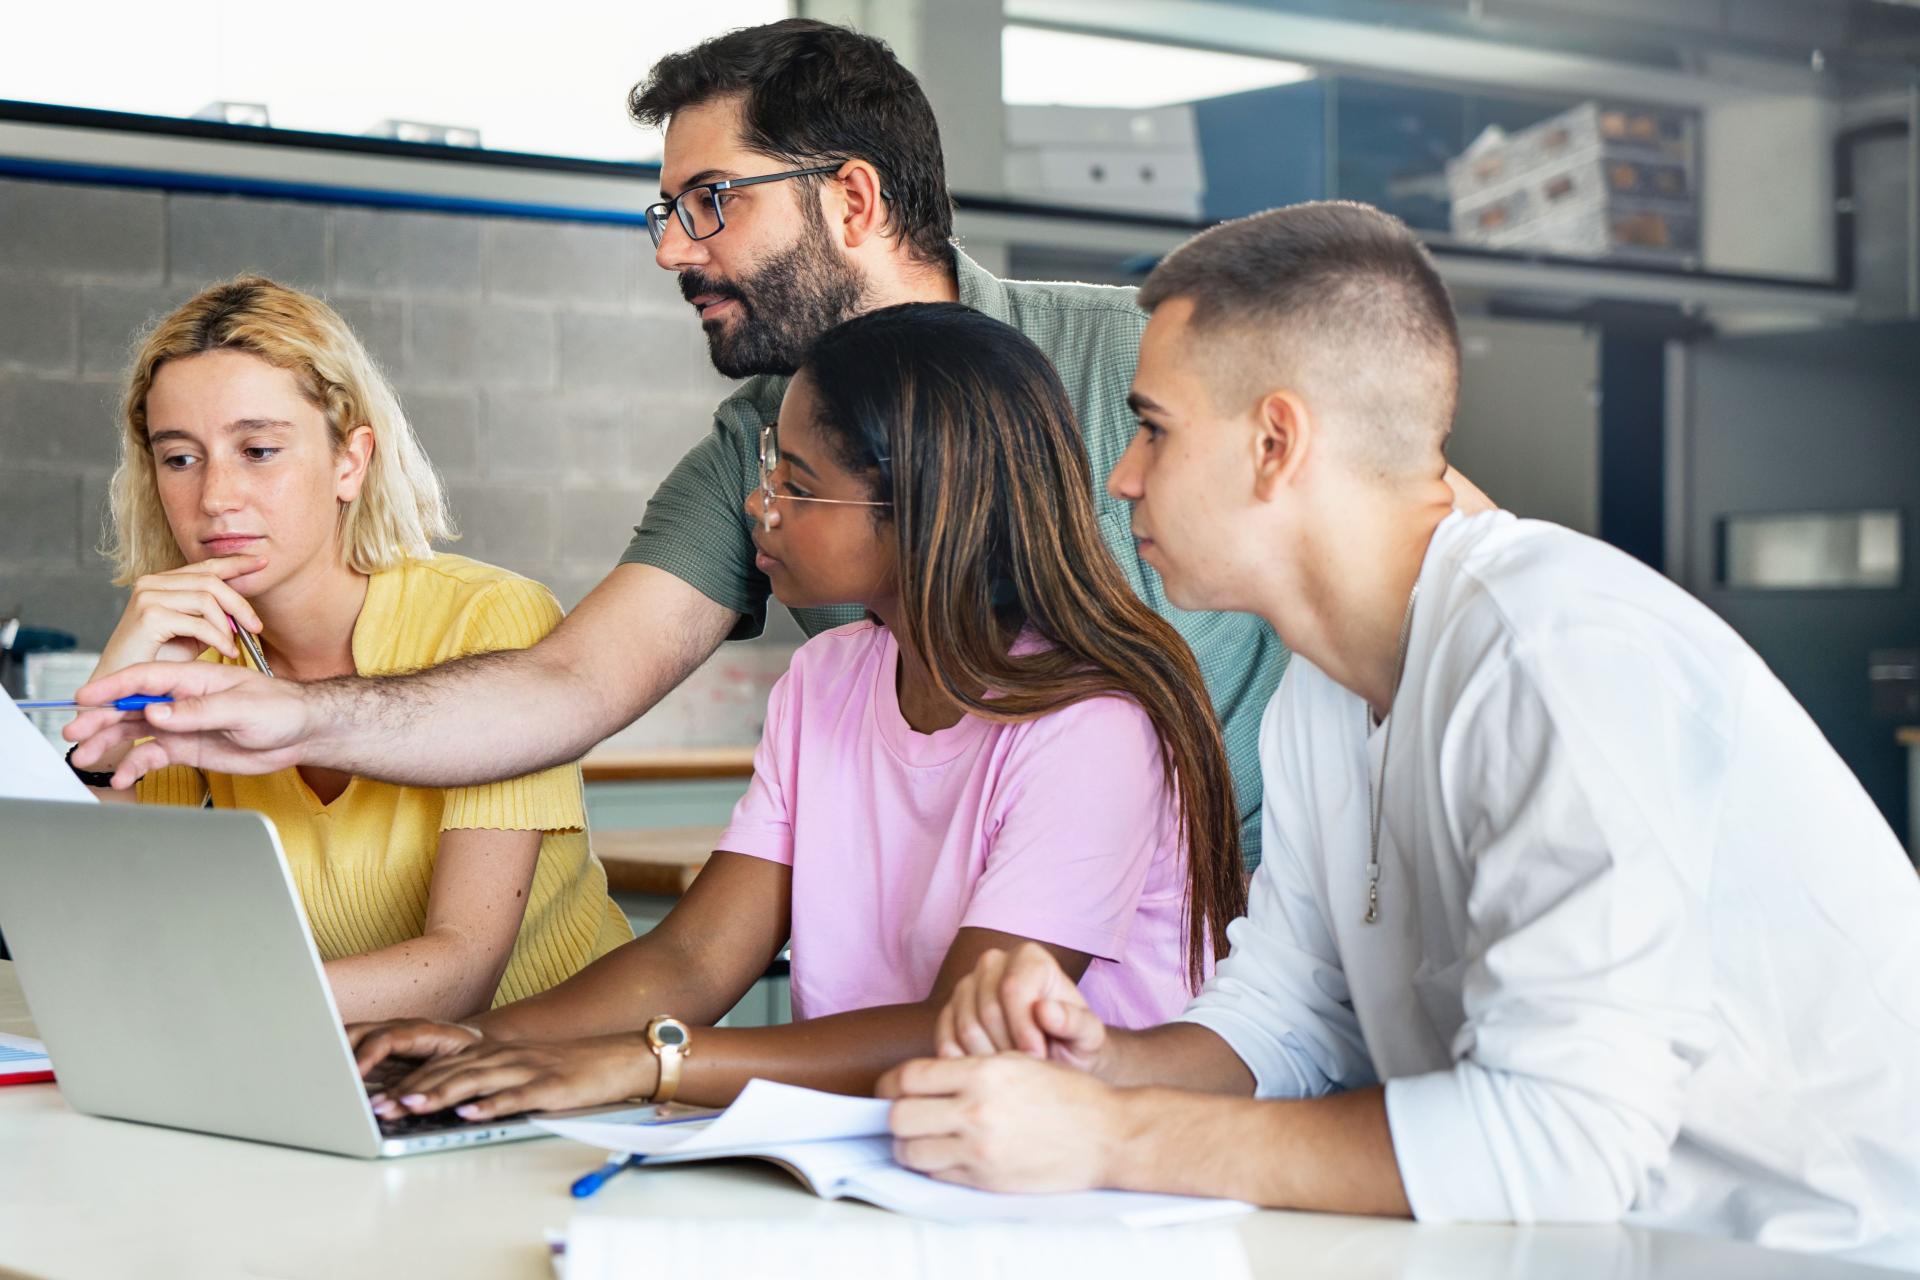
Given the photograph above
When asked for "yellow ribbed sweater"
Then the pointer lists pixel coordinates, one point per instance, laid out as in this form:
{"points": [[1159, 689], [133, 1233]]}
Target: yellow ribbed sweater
{"points": [[363, 863]]}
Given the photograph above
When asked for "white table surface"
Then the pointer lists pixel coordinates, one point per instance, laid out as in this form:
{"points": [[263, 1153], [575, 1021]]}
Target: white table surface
{"points": [[84, 1197]]}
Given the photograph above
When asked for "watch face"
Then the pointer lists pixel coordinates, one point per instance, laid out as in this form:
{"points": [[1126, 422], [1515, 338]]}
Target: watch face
{"points": [[669, 1033]]}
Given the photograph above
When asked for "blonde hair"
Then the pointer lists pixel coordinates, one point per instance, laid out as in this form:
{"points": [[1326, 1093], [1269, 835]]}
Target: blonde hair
{"points": [[400, 509]]}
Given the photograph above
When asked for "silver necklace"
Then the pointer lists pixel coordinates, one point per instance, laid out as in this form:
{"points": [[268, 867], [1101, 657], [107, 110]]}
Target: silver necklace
{"points": [[1379, 796]]}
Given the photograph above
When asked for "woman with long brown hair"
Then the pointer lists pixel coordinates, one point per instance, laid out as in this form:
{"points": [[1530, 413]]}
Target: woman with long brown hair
{"points": [[1009, 747]]}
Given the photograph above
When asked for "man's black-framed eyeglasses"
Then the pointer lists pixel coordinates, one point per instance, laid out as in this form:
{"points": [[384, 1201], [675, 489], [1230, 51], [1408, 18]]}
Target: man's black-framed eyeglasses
{"points": [[699, 208]]}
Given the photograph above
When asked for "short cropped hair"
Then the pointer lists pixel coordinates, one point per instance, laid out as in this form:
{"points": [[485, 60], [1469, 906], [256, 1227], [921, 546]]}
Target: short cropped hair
{"points": [[1338, 298], [400, 510], [816, 93]]}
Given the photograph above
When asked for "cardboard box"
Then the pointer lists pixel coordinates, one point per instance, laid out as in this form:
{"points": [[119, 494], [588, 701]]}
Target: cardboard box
{"points": [[1591, 182]]}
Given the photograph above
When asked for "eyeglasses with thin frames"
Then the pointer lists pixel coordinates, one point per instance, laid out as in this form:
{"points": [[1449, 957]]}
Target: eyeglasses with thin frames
{"points": [[769, 462], [700, 210]]}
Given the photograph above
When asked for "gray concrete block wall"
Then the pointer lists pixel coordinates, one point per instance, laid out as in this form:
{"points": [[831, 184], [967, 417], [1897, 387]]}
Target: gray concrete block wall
{"points": [[552, 371]]}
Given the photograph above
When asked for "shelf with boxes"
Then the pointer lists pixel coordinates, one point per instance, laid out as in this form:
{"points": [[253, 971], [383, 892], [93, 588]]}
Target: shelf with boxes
{"points": [[1249, 158], [1595, 181]]}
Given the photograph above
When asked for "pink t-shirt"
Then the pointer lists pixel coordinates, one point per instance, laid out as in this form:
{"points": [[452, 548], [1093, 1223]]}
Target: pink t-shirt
{"points": [[1060, 829]]}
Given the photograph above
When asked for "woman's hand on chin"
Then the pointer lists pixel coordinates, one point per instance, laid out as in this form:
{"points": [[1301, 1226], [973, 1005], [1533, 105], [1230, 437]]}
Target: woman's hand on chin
{"points": [[173, 616]]}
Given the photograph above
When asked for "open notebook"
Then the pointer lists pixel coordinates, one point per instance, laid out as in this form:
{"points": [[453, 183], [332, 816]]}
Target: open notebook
{"points": [[840, 1147], [23, 1061]]}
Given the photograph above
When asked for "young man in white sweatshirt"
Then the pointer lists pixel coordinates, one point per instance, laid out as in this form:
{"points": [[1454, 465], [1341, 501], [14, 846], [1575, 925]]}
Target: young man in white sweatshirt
{"points": [[1568, 912]]}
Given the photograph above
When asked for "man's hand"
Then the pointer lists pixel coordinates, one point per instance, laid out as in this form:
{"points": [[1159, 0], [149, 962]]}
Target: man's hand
{"points": [[491, 1080], [1023, 1002], [1008, 1123], [1005, 1123], [227, 719]]}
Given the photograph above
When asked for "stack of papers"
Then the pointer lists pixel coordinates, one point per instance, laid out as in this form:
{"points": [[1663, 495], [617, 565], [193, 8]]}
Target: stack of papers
{"points": [[841, 1147], [30, 769], [605, 1248], [23, 1061]]}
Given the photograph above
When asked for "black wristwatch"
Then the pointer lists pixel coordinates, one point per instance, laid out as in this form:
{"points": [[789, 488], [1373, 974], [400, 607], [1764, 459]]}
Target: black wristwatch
{"points": [[92, 777]]}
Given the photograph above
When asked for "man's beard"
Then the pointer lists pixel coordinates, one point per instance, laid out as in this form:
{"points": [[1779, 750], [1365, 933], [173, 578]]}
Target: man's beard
{"points": [[799, 294]]}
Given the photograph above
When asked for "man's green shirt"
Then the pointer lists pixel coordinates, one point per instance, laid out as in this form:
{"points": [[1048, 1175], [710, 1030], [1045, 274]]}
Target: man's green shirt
{"points": [[697, 529]]}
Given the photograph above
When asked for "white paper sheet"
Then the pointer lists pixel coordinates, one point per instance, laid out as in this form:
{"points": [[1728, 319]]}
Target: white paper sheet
{"points": [[843, 1148], [30, 767], [612, 1248], [918, 1196], [765, 1115]]}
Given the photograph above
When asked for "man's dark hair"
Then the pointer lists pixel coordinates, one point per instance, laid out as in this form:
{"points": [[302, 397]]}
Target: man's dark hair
{"points": [[816, 93], [1342, 297]]}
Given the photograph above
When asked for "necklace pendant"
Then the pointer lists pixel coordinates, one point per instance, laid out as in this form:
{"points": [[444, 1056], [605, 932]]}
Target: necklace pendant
{"points": [[1376, 800]]}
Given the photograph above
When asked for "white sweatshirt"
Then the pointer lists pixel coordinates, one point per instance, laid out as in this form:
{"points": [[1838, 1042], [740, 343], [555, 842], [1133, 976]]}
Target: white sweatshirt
{"points": [[1646, 948]]}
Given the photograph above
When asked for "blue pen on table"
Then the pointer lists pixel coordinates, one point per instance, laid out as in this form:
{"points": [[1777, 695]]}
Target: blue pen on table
{"points": [[132, 702], [587, 1184], [663, 1114]]}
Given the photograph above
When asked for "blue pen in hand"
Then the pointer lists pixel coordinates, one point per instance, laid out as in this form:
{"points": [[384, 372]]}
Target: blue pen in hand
{"points": [[587, 1184], [133, 702]]}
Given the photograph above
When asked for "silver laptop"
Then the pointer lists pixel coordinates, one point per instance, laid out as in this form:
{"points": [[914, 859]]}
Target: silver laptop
{"points": [[172, 975]]}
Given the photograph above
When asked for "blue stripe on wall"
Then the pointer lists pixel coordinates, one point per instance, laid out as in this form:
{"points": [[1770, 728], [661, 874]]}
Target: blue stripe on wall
{"points": [[172, 180]]}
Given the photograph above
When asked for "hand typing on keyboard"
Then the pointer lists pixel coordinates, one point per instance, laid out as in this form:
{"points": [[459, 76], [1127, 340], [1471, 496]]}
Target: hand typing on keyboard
{"points": [[388, 1052], [387, 1071], [416, 1039], [390, 1071], [406, 1123]]}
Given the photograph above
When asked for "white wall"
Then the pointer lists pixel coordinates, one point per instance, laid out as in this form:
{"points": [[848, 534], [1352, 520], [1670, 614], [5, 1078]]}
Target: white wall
{"points": [[1766, 185], [1528, 429]]}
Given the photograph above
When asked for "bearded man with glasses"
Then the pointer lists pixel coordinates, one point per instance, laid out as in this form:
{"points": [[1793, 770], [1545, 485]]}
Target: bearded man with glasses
{"points": [[802, 184]]}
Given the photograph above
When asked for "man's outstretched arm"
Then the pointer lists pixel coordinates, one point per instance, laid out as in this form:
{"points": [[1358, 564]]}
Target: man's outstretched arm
{"points": [[479, 719]]}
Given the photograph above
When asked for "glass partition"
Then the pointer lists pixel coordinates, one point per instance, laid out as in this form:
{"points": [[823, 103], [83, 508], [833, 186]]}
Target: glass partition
{"points": [[1833, 550], [551, 81]]}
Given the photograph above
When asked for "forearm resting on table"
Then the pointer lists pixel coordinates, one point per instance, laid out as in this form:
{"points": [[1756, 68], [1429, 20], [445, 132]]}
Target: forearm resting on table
{"points": [[1325, 1155], [1183, 1055], [655, 973], [1331, 1154], [443, 974], [840, 1053]]}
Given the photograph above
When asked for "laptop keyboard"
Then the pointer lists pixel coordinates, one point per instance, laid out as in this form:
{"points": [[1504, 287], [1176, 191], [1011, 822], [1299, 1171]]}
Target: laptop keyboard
{"points": [[406, 1126], [392, 1072]]}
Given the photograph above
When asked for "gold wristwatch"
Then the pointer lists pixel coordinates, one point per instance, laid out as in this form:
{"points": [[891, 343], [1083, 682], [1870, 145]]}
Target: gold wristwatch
{"points": [[668, 1038]]}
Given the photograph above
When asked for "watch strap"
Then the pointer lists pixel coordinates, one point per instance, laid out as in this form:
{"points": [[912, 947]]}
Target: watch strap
{"points": [[669, 1056], [91, 777]]}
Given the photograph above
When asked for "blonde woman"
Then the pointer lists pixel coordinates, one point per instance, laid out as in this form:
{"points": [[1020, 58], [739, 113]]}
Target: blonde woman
{"points": [[268, 476]]}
